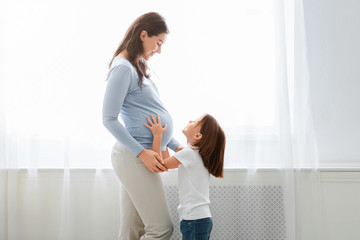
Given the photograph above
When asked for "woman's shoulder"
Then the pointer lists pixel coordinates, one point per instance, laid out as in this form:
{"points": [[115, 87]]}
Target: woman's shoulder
{"points": [[122, 66]]}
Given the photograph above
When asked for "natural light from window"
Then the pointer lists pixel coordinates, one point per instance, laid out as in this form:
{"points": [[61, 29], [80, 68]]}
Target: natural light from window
{"points": [[219, 58]]}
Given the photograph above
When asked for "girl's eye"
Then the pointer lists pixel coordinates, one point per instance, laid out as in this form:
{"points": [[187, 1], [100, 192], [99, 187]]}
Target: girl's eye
{"points": [[159, 44]]}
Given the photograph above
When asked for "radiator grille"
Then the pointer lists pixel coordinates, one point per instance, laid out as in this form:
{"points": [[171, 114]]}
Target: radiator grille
{"points": [[239, 212]]}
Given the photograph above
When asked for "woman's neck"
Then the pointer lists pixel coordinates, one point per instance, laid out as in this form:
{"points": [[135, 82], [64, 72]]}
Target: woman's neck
{"points": [[124, 54]]}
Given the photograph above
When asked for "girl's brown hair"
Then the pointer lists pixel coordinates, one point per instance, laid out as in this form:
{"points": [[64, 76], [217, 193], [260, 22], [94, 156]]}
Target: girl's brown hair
{"points": [[154, 24], [212, 145]]}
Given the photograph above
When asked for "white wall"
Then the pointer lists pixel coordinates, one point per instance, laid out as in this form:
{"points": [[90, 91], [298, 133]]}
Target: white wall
{"points": [[340, 204], [333, 37]]}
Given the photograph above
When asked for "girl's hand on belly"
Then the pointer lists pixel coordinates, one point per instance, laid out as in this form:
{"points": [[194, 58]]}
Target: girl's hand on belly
{"points": [[155, 126]]}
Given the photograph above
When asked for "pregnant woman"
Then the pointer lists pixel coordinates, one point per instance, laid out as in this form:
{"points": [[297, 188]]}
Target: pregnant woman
{"points": [[130, 92]]}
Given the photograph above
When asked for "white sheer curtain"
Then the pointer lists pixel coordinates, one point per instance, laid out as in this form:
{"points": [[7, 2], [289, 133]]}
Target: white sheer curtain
{"points": [[242, 61]]}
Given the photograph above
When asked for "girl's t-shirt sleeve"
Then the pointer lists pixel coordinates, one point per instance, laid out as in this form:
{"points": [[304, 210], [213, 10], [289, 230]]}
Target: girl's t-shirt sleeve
{"points": [[119, 82], [185, 156]]}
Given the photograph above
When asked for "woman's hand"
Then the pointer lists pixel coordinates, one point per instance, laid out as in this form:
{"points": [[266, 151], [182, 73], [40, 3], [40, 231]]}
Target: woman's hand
{"points": [[180, 147], [152, 161], [155, 126]]}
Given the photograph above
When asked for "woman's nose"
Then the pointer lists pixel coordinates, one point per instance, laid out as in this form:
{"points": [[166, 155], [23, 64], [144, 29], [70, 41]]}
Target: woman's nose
{"points": [[158, 50]]}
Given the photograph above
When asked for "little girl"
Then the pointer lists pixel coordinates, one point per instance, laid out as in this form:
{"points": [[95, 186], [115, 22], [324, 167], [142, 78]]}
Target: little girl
{"points": [[203, 156]]}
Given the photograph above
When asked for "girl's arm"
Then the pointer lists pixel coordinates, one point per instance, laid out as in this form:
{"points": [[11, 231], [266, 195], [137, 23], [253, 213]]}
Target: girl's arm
{"points": [[157, 130], [165, 154], [171, 162]]}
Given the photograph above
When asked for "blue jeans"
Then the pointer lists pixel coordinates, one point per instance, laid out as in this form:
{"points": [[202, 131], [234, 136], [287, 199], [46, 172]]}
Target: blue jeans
{"points": [[196, 229]]}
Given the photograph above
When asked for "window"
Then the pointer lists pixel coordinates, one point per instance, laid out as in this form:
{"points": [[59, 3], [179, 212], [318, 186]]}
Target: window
{"points": [[219, 58]]}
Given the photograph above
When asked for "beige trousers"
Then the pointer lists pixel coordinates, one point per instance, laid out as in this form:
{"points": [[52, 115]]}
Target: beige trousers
{"points": [[144, 213]]}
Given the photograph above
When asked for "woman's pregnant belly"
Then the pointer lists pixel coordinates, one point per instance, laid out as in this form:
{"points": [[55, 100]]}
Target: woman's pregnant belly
{"points": [[143, 135]]}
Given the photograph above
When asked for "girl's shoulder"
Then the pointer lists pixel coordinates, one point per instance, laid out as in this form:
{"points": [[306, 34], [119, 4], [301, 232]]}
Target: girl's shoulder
{"points": [[190, 149], [188, 156]]}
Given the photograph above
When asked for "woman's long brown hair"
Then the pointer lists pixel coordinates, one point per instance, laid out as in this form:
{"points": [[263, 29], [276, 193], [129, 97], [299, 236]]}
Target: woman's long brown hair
{"points": [[212, 145], [154, 24]]}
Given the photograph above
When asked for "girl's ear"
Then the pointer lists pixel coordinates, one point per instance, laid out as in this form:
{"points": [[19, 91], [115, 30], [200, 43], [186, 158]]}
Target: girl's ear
{"points": [[143, 34], [198, 136]]}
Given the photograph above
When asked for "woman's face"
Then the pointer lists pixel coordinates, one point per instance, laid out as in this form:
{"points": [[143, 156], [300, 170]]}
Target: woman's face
{"points": [[152, 44]]}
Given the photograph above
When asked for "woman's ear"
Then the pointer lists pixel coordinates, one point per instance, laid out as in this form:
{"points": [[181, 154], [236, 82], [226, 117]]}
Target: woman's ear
{"points": [[143, 35]]}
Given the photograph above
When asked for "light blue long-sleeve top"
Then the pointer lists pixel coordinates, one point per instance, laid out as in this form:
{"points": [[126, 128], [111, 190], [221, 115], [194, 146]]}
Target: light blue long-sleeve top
{"points": [[124, 96]]}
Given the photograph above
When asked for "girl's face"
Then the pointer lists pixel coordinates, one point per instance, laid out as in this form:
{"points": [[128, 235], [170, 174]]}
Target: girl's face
{"points": [[192, 131], [152, 44]]}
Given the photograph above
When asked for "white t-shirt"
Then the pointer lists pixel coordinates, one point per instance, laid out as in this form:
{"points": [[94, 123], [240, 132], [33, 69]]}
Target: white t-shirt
{"points": [[194, 180]]}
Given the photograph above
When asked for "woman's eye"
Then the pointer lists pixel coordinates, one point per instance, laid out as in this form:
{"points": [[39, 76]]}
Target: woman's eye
{"points": [[159, 44]]}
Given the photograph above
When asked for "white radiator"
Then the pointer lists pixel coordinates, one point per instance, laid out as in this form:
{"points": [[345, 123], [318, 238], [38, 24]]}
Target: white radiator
{"points": [[239, 212]]}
